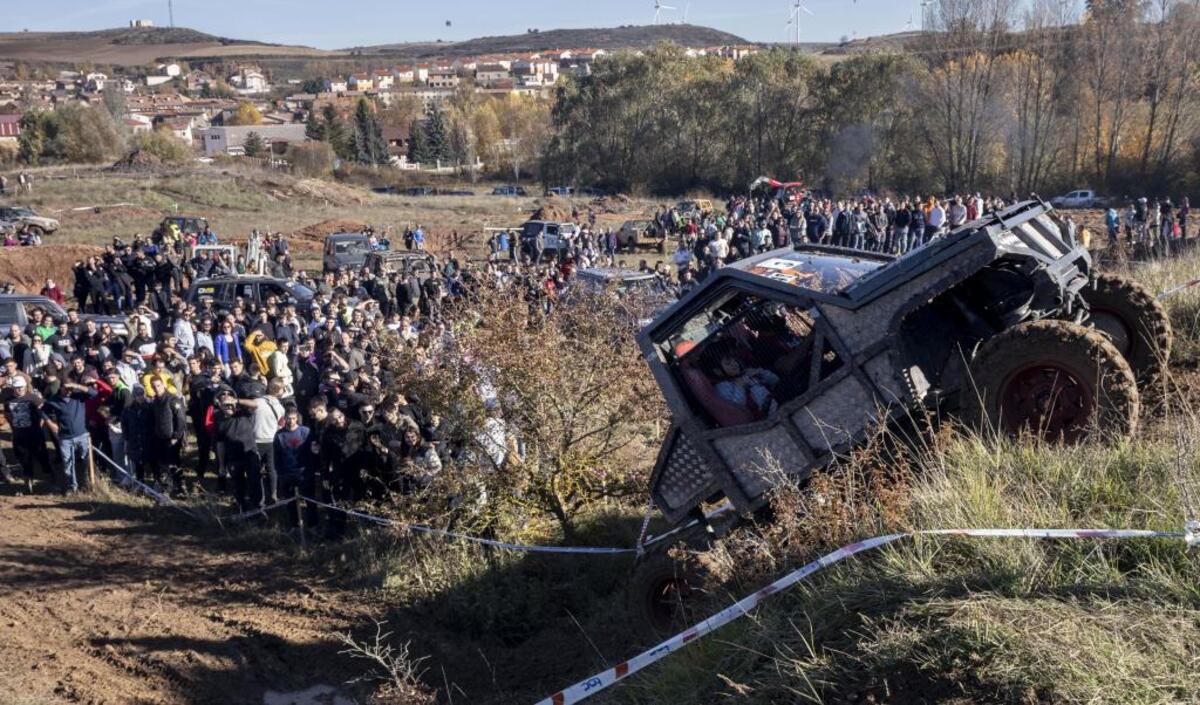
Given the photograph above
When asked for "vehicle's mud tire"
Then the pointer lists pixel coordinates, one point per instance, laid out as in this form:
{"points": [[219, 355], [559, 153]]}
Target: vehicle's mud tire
{"points": [[1134, 321], [662, 594], [1057, 380]]}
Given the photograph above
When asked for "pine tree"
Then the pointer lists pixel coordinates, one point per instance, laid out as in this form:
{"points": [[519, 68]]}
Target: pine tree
{"points": [[313, 128], [369, 145], [336, 135], [418, 147], [438, 136], [254, 145]]}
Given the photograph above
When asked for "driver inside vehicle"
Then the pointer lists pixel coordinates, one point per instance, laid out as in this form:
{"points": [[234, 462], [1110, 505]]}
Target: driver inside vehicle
{"points": [[747, 388]]}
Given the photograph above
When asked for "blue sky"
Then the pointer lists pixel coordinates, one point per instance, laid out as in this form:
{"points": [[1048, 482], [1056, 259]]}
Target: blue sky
{"points": [[331, 25]]}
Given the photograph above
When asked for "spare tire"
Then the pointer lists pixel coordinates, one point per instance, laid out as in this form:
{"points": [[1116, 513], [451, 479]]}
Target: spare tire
{"points": [[1058, 380], [1134, 321]]}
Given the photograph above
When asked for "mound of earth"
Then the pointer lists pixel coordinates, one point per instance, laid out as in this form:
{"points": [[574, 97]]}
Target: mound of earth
{"points": [[29, 267], [619, 203], [553, 208], [135, 160], [319, 190]]}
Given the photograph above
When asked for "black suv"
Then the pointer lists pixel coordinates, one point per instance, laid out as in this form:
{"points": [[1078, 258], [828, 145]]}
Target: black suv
{"points": [[224, 291]]}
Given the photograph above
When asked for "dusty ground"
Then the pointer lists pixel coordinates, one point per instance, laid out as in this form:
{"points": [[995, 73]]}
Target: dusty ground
{"points": [[101, 602]]}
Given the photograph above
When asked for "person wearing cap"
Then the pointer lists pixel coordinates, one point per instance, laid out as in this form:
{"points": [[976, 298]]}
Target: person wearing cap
{"points": [[22, 410], [65, 415]]}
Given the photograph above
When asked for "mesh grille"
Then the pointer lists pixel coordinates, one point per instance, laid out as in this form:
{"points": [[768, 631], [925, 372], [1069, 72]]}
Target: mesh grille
{"points": [[684, 475]]}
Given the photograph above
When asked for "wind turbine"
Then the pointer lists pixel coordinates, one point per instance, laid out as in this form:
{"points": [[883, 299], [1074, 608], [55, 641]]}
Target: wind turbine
{"points": [[908, 26], [686, 9], [659, 7], [794, 19]]}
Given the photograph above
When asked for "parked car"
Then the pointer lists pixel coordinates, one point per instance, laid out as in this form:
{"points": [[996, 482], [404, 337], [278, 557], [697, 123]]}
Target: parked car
{"points": [[592, 192], [345, 251], [15, 308], [186, 223], [641, 295], [509, 191], [420, 191], [641, 233], [254, 290], [24, 216], [386, 190], [556, 236], [564, 191], [1084, 198], [384, 262]]}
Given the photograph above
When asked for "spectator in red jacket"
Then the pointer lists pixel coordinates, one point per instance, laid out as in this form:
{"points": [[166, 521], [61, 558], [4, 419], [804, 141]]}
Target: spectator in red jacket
{"points": [[52, 292]]}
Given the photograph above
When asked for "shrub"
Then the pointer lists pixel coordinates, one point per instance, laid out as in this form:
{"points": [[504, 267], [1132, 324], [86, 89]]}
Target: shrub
{"points": [[162, 144], [312, 159]]}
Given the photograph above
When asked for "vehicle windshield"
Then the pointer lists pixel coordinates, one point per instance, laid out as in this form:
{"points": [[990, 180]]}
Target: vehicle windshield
{"points": [[815, 271], [24, 212], [351, 247], [299, 291]]}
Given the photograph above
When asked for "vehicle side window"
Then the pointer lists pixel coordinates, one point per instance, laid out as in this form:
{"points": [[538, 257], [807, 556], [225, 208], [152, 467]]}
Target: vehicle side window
{"points": [[552, 230], [742, 359], [271, 288], [246, 291], [9, 313]]}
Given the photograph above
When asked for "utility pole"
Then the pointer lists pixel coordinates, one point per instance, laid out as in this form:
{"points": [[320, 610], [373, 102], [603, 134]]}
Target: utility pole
{"points": [[171, 12]]}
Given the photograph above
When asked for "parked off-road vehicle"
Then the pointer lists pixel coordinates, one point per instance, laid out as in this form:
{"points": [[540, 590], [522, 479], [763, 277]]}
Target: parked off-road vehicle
{"points": [[642, 233], [385, 262], [797, 354]]}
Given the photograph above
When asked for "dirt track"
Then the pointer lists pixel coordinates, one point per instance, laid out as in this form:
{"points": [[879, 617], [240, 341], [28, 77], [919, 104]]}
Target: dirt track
{"points": [[102, 603]]}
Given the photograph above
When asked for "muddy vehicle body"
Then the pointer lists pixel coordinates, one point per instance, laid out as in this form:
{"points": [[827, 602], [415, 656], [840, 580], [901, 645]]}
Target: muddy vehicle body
{"points": [[798, 353], [642, 233], [385, 262], [18, 217]]}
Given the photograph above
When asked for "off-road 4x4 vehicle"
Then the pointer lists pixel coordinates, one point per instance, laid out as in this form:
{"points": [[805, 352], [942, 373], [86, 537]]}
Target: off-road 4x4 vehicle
{"points": [[798, 353], [385, 262]]}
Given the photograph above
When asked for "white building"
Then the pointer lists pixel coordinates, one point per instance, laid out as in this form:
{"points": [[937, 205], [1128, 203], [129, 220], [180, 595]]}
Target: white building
{"points": [[139, 24], [231, 139], [250, 81]]}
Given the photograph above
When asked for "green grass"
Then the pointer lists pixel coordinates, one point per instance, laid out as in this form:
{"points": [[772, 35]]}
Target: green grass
{"points": [[976, 620]]}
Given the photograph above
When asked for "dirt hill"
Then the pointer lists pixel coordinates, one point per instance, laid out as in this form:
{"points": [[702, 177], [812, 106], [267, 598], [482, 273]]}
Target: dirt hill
{"points": [[132, 46], [625, 37]]}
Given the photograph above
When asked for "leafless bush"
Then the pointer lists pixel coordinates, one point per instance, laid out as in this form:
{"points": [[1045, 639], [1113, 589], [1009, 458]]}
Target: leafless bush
{"points": [[392, 667]]}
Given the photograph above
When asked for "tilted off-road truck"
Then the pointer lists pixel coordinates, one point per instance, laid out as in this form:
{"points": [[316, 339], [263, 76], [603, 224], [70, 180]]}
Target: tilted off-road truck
{"points": [[797, 354]]}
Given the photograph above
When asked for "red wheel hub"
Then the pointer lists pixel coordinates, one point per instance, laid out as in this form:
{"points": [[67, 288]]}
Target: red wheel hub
{"points": [[1047, 399]]}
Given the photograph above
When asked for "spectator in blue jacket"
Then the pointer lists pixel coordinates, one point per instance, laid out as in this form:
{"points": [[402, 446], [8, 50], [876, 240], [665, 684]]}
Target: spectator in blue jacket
{"points": [[291, 444]]}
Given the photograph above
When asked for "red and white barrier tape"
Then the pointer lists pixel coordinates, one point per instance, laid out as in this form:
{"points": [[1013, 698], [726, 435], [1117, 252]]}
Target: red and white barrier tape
{"points": [[1176, 289], [590, 686]]}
